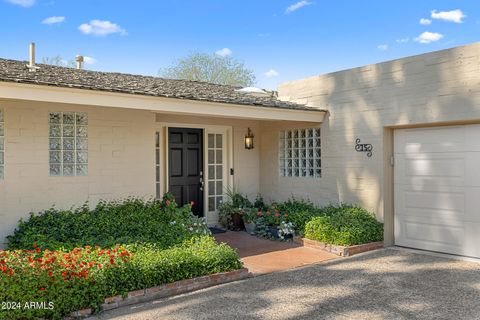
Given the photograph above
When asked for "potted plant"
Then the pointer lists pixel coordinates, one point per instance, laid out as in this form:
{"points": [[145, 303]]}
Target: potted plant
{"points": [[249, 218], [231, 212], [272, 220]]}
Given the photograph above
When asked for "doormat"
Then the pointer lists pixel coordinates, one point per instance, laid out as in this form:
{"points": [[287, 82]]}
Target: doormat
{"points": [[215, 230]]}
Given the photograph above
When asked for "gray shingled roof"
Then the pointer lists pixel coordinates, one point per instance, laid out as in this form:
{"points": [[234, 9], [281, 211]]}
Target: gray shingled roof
{"points": [[16, 71]]}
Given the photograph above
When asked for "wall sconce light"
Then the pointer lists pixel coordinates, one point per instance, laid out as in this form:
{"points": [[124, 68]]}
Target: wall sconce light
{"points": [[249, 140]]}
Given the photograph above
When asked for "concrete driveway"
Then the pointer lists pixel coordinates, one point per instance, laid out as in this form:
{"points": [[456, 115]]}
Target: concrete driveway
{"points": [[385, 284]]}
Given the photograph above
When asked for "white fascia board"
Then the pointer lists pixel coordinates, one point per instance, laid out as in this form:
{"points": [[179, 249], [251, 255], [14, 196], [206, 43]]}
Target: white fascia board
{"points": [[29, 92]]}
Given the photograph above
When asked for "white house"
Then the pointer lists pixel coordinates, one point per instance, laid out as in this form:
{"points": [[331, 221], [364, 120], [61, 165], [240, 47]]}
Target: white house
{"points": [[400, 138]]}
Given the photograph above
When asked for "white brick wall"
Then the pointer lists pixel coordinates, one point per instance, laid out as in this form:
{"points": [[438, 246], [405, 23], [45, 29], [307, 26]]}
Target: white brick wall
{"points": [[121, 160], [431, 88]]}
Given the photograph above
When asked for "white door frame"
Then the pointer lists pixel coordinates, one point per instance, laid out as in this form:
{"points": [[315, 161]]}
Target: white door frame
{"points": [[162, 128]]}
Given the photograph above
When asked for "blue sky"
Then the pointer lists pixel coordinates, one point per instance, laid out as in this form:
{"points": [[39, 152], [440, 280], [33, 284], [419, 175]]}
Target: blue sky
{"points": [[280, 40]]}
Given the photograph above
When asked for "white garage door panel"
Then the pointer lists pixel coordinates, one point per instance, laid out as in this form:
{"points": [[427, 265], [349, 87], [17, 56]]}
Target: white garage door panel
{"points": [[433, 169], [437, 189]]}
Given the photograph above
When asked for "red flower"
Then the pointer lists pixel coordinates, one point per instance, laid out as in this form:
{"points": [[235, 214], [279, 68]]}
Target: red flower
{"points": [[167, 202], [286, 215], [277, 215], [42, 289], [50, 273], [259, 213]]}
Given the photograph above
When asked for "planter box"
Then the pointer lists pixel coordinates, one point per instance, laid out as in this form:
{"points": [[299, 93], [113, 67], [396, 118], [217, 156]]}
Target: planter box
{"points": [[166, 290], [175, 288], [343, 251]]}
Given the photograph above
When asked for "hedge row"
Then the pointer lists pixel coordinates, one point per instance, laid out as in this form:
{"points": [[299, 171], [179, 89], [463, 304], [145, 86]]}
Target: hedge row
{"points": [[128, 221]]}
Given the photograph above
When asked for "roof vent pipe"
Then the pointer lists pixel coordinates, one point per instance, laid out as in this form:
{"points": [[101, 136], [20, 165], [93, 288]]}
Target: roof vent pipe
{"points": [[79, 60], [31, 64]]}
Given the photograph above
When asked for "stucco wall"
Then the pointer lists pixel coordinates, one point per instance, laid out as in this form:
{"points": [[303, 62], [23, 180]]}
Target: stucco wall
{"points": [[121, 160], [433, 88]]}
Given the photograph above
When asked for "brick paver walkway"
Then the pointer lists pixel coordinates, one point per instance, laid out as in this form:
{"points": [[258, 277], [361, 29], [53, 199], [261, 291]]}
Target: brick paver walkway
{"points": [[262, 256]]}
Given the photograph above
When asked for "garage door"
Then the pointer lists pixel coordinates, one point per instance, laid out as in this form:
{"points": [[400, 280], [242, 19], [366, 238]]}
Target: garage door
{"points": [[437, 189]]}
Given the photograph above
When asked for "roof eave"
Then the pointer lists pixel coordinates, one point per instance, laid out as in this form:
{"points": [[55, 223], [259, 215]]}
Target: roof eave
{"points": [[172, 105]]}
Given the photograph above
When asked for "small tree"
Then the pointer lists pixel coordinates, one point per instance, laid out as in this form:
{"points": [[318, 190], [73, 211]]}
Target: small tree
{"points": [[210, 68], [58, 61]]}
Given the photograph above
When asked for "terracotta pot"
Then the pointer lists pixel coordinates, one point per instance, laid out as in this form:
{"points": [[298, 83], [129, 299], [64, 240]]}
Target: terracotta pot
{"points": [[237, 222]]}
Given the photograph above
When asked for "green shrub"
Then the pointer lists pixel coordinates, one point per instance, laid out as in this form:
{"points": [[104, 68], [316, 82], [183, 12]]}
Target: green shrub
{"points": [[299, 212], [84, 277], [344, 225], [128, 221]]}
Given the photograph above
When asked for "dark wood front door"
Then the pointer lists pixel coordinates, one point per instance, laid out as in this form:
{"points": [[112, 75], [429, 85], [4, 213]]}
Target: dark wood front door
{"points": [[185, 167]]}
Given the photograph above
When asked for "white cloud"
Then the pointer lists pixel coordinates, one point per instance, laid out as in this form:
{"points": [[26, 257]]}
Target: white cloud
{"points": [[23, 3], [382, 47], [271, 73], [53, 20], [425, 22], [101, 28], [428, 37], [450, 16], [403, 40], [225, 52], [89, 60], [296, 6]]}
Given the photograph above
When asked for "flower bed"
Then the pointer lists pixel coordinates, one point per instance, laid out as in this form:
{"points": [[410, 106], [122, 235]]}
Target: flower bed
{"points": [[83, 277], [342, 225], [82, 256]]}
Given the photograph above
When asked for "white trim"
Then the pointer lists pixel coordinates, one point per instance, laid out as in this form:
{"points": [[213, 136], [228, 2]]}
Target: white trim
{"points": [[30, 92], [162, 127]]}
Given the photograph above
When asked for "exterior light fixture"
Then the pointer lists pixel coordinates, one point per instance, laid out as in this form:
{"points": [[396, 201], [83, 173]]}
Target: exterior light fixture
{"points": [[249, 140]]}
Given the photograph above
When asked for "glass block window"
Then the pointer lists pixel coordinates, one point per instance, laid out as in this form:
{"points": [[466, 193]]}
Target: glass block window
{"points": [[68, 144], [215, 171], [157, 165], [300, 153], [2, 145]]}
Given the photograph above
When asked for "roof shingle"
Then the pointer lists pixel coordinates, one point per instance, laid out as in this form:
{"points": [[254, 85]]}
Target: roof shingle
{"points": [[16, 71]]}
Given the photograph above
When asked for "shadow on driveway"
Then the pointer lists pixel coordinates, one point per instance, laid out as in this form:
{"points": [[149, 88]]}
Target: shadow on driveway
{"points": [[385, 284]]}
